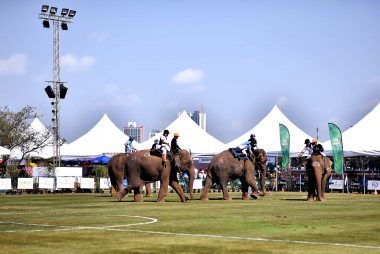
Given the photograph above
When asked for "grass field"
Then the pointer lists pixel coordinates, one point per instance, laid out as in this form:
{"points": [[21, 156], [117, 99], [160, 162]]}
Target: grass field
{"points": [[278, 223]]}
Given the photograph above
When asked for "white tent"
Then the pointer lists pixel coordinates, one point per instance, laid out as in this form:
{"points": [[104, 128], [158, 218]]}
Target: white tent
{"points": [[192, 137], [105, 138], [267, 133], [47, 152], [4, 151], [363, 138]]}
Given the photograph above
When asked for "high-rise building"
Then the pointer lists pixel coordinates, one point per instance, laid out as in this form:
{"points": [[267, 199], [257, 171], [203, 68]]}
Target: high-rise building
{"points": [[200, 118], [137, 132]]}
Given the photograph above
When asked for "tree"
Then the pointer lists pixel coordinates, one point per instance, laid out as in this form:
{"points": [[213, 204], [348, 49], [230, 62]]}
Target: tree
{"points": [[15, 131]]}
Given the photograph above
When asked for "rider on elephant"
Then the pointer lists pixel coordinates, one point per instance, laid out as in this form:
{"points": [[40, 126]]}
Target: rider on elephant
{"points": [[308, 150], [317, 148], [129, 146], [248, 146], [175, 149], [164, 143]]}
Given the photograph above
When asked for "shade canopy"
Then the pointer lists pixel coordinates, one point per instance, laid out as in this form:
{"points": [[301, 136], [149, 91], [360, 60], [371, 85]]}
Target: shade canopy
{"points": [[192, 137], [363, 138], [104, 138], [268, 134]]}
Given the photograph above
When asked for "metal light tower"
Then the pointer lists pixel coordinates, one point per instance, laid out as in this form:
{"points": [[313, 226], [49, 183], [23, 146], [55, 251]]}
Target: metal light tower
{"points": [[56, 89]]}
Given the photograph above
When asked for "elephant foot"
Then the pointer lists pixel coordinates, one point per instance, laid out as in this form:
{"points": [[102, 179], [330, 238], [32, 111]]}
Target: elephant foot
{"points": [[138, 198], [121, 194], [227, 198], [149, 195], [204, 199], [253, 196], [310, 199], [263, 193], [160, 201], [244, 196]]}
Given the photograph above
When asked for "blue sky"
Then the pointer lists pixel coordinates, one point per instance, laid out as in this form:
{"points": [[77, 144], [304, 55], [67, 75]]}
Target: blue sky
{"points": [[145, 61]]}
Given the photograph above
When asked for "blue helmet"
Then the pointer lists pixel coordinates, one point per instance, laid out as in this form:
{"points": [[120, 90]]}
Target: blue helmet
{"points": [[252, 136]]}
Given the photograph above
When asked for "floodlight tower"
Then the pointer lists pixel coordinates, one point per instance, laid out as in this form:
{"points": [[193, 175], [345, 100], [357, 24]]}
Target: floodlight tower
{"points": [[56, 90]]}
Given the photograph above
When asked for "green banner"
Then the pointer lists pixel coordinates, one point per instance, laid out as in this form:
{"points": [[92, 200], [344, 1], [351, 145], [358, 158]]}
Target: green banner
{"points": [[337, 147], [285, 143]]}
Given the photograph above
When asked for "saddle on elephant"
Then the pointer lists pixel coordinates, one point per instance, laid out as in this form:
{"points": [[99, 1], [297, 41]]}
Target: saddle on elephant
{"points": [[238, 153]]}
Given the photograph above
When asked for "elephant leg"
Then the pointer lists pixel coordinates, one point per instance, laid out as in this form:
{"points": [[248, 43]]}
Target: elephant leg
{"points": [[123, 192], [164, 183], [262, 180], [318, 182], [138, 194], [148, 189], [206, 188], [311, 182], [325, 177], [251, 181], [191, 186], [244, 189], [226, 195], [175, 185]]}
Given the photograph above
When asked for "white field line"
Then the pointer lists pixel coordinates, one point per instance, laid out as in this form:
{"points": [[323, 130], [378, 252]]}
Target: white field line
{"points": [[153, 220]]}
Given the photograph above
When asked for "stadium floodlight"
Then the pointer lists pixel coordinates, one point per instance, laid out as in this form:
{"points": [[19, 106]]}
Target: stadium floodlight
{"points": [[45, 8], [53, 10], [50, 92], [64, 11], [46, 23], [64, 26], [56, 89], [63, 91], [72, 13]]}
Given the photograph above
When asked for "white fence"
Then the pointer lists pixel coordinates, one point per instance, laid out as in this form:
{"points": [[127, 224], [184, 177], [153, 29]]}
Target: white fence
{"points": [[55, 183]]}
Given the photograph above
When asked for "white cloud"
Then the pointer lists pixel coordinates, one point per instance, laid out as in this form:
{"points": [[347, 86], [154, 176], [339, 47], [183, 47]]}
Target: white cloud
{"points": [[374, 80], [120, 97], [74, 63], [188, 76], [15, 65], [281, 101], [97, 37]]}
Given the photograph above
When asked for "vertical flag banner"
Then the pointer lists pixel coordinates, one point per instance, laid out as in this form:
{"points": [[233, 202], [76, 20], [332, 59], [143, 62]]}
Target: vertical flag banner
{"points": [[285, 143], [337, 147]]}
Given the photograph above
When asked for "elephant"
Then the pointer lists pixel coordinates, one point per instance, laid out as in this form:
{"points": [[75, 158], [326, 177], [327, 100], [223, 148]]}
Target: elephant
{"points": [[261, 165], [116, 171], [141, 167], [318, 169], [116, 166], [223, 167]]}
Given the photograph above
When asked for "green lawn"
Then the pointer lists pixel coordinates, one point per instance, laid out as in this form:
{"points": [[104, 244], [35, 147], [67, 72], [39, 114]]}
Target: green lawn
{"points": [[279, 223]]}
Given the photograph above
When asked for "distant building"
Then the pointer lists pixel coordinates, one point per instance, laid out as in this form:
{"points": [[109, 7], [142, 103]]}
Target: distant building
{"points": [[137, 132], [153, 133], [200, 118]]}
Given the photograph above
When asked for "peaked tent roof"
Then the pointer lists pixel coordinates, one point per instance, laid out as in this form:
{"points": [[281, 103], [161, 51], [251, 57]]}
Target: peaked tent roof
{"points": [[46, 152], [104, 138], [267, 133], [4, 151], [363, 138], [192, 137]]}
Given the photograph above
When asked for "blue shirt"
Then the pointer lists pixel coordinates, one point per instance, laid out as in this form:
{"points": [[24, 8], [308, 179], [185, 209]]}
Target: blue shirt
{"points": [[128, 146]]}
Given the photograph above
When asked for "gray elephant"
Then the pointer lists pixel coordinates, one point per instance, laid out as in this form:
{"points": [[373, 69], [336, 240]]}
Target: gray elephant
{"points": [[224, 167]]}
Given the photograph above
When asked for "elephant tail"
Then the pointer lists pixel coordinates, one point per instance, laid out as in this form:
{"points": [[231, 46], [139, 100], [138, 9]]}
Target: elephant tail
{"points": [[209, 171]]}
